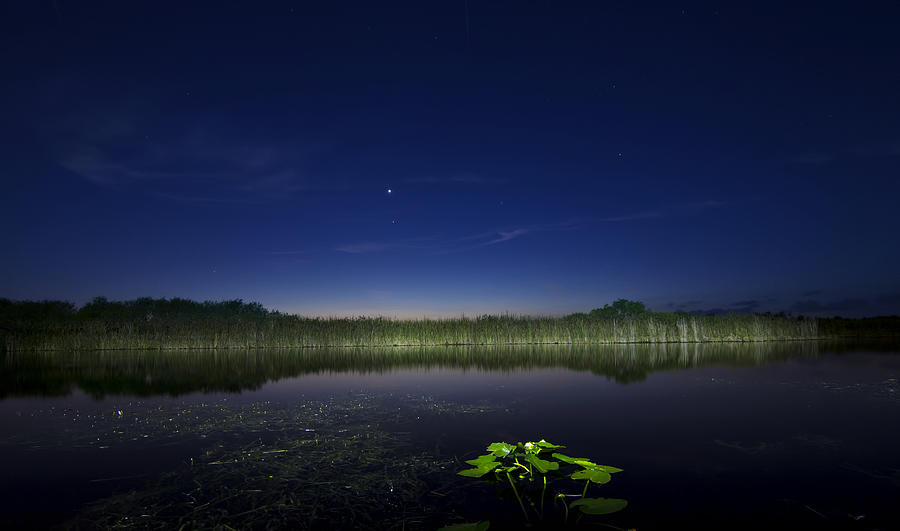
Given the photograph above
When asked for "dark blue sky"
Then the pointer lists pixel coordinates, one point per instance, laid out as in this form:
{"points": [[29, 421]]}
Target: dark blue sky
{"points": [[541, 157]]}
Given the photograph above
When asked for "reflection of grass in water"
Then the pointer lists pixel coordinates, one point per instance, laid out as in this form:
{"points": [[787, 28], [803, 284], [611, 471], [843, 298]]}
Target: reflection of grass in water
{"points": [[143, 373], [326, 464]]}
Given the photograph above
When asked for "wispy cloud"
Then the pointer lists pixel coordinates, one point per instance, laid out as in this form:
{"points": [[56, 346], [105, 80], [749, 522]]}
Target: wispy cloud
{"points": [[869, 150], [505, 236], [94, 166], [190, 158], [839, 306], [210, 199], [184, 176], [664, 211], [449, 244], [499, 236], [364, 247], [632, 217], [461, 178]]}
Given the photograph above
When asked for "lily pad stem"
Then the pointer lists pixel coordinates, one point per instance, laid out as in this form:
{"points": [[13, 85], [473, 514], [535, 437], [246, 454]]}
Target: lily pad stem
{"points": [[516, 492], [565, 506], [543, 493]]}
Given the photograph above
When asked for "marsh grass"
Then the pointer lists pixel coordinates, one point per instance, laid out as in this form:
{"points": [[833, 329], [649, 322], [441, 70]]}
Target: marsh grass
{"points": [[182, 324]]}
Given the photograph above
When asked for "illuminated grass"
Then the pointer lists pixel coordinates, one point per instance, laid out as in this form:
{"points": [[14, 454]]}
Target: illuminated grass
{"points": [[183, 324]]}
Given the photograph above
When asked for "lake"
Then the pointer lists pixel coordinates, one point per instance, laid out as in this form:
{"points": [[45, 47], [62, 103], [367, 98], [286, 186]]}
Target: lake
{"points": [[800, 435]]}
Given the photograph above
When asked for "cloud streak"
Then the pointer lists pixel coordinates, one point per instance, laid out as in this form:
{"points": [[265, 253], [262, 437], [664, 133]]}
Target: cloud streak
{"points": [[245, 181], [364, 247], [632, 217], [457, 178], [192, 158], [679, 208], [870, 150], [454, 245], [506, 234]]}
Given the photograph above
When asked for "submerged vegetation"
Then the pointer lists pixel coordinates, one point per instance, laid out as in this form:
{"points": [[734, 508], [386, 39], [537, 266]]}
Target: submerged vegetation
{"points": [[334, 464], [179, 323]]}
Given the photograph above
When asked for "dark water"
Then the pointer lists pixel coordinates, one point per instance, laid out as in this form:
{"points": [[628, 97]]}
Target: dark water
{"points": [[716, 436]]}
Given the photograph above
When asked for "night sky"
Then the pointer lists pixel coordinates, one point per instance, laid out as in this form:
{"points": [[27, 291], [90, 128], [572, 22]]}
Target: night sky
{"points": [[437, 158]]}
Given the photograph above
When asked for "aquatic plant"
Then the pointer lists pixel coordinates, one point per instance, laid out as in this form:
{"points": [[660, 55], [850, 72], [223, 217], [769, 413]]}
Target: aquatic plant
{"points": [[307, 465], [473, 526], [533, 471]]}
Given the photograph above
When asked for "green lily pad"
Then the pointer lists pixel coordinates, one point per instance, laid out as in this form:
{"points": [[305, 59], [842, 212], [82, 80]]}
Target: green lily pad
{"points": [[501, 449], [477, 526], [592, 474], [540, 464], [482, 460], [581, 461], [479, 470], [599, 505], [544, 444]]}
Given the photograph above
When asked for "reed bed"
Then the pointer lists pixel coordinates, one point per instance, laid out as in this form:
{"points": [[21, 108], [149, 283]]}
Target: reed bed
{"points": [[179, 324]]}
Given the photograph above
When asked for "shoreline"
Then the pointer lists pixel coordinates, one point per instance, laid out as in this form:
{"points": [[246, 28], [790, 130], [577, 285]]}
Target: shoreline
{"points": [[454, 345]]}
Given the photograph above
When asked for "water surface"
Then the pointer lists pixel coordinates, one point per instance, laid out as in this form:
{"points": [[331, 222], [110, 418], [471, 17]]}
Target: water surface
{"points": [[784, 435]]}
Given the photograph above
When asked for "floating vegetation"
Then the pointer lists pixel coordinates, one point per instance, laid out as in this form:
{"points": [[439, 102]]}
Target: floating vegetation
{"points": [[891, 475], [886, 390], [533, 471], [157, 423], [334, 464], [798, 443], [429, 404], [355, 479], [818, 442]]}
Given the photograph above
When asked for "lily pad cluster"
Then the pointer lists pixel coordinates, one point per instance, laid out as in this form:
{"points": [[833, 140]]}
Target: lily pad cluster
{"points": [[535, 471]]}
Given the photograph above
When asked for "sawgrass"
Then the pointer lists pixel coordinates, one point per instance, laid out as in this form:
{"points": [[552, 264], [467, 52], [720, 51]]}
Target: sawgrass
{"points": [[182, 324]]}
